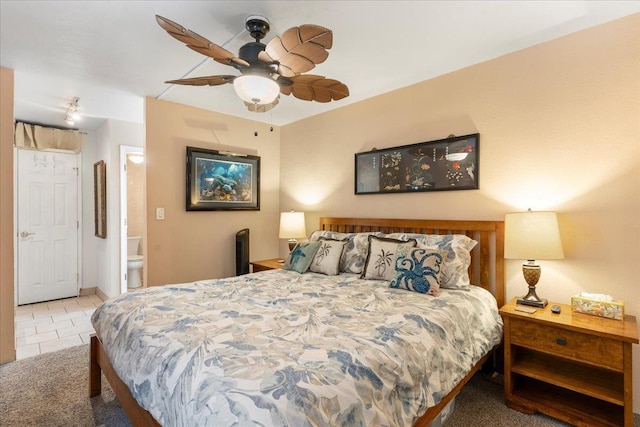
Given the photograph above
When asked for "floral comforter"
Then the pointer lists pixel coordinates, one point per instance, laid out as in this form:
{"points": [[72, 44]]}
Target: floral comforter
{"points": [[278, 348]]}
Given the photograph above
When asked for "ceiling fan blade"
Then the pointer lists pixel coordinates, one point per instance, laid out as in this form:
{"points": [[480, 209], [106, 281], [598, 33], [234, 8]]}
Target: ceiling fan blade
{"points": [[282, 69], [308, 33], [318, 88], [286, 89], [204, 81], [262, 108], [198, 43], [299, 49], [264, 57]]}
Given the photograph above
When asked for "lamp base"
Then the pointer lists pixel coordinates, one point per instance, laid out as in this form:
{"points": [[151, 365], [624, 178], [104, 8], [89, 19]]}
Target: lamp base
{"points": [[531, 272], [534, 303]]}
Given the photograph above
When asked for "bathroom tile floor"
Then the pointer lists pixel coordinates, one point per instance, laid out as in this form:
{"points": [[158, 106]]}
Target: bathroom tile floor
{"points": [[49, 326]]}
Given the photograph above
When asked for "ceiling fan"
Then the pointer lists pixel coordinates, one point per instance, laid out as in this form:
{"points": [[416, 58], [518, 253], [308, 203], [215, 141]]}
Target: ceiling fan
{"points": [[267, 70]]}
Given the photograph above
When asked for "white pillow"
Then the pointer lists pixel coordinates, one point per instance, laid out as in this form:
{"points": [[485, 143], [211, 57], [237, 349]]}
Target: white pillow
{"points": [[355, 253], [327, 257], [381, 257]]}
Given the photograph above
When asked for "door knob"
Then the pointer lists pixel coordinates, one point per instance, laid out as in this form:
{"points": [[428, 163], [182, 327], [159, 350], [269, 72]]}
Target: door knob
{"points": [[26, 234]]}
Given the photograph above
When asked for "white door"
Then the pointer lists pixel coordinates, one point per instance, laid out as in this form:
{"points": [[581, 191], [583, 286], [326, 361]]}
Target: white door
{"points": [[47, 226]]}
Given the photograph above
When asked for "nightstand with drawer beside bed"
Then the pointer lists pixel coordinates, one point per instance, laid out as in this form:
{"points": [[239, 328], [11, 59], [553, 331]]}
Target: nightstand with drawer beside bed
{"points": [[571, 366]]}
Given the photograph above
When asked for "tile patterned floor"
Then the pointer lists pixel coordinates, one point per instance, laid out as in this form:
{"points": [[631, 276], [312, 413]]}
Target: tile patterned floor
{"points": [[49, 326]]}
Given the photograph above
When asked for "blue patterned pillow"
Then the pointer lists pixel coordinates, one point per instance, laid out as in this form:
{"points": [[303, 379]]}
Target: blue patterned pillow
{"points": [[418, 270], [300, 257], [457, 255]]}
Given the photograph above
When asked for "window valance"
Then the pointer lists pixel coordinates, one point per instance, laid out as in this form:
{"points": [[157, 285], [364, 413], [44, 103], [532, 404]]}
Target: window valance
{"points": [[28, 135]]}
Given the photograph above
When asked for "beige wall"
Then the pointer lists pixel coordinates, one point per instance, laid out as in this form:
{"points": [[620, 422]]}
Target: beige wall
{"points": [[7, 340], [559, 128], [188, 246]]}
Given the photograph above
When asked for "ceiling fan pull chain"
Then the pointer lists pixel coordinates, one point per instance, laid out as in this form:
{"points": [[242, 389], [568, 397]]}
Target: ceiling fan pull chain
{"points": [[255, 122], [271, 120]]}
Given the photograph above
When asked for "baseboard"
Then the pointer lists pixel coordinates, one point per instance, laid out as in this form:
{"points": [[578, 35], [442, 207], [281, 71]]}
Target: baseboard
{"points": [[101, 294], [87, 291]]}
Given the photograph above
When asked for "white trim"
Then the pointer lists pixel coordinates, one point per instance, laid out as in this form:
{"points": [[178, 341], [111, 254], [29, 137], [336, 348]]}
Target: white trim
{"points": [[80, 229], [15, 226], [124, 150]]}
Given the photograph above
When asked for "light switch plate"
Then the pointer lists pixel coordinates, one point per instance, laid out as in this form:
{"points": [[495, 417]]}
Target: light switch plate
{"points": [[159, 213]]}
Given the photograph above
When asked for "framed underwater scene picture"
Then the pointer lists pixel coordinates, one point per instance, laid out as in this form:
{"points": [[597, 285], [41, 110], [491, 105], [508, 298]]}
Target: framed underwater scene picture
{"points": [[445, 164], [222, 181]]}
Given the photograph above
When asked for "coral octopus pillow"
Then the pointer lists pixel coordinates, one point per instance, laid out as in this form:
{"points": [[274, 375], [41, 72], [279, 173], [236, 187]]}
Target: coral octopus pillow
{"points": [[418, 270], [457, 255]]}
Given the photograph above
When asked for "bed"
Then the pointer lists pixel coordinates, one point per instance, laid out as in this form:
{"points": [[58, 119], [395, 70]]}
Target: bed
{"points": [[284, 348]]}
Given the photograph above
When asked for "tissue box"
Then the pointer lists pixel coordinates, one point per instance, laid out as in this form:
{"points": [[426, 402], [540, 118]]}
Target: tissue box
{"points": [[610, 309]]}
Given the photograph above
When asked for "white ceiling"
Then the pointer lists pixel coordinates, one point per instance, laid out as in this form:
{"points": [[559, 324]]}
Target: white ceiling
{"points": [[112, 54]]}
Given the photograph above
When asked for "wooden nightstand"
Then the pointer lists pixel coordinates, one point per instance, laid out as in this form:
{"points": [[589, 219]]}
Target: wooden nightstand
{"points": [[571, 366], [266, 264]]}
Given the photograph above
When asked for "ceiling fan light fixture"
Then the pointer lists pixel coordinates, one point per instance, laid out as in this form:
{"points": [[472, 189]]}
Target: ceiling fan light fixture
{"points": [[256, 89]]}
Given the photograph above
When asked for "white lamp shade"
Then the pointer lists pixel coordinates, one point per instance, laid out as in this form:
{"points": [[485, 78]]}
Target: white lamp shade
{"points": [[292, 225], [256, 89], [532, 235]]}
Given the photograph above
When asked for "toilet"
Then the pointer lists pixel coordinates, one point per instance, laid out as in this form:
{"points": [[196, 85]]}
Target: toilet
{"points": [[134, 262]]}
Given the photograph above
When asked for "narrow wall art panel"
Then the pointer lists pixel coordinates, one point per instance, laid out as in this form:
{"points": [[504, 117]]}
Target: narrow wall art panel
{"points": [[100, 198], [445, 164]]}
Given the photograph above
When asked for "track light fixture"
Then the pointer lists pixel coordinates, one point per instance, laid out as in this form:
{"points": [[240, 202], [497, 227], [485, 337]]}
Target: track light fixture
{"points": [[72, 114]]}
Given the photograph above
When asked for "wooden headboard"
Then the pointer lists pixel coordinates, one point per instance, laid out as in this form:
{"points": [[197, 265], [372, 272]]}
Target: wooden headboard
{"points": [[487, 258]]}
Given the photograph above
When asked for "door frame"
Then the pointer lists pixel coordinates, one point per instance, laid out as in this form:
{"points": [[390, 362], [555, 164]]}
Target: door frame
{"points": [[124, 150], [15, 218]]}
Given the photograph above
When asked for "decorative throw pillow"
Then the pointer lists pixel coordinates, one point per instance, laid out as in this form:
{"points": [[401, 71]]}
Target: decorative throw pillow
{"points": [[418, 270], [457, 255], [326, 234], [355, 253], [301, 256], [381, 258], [327, 258]]}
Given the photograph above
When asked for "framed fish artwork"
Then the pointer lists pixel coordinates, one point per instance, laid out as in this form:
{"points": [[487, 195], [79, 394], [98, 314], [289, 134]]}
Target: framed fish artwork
{"points": [[222, 181]]}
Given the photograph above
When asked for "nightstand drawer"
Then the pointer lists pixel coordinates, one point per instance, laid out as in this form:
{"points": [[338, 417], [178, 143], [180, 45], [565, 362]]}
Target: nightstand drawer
{"points": [[599, 351]]}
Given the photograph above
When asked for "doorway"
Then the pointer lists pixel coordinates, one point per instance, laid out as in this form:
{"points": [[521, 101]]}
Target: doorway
{"points": [[48, 225], [131, 204]]}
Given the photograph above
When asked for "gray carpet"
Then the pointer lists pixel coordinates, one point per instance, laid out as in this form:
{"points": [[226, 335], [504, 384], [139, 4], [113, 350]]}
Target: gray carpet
{"points": [[52, 390]]}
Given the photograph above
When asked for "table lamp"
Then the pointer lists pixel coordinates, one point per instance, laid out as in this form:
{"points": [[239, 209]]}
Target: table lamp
{"points": [[532, 236], [292, 227]]}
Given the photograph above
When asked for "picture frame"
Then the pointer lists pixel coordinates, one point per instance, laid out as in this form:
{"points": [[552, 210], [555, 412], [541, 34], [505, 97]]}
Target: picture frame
{"points": [[440, 165], [100, 198], [222, 181]]}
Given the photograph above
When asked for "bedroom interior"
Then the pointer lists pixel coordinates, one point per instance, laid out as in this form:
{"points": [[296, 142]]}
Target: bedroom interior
{"points": [[559, 130]]}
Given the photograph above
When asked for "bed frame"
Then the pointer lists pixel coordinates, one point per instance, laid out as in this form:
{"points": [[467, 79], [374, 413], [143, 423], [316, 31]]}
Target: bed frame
{"points": [[486, 271]]}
